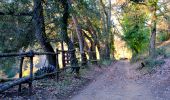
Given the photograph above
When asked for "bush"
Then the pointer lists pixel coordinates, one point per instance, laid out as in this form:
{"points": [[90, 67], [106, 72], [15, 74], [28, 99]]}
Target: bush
{"points": [[160, 52], [151, 63], [163, 36], [135, 33], [105, 62], [45, 70]]}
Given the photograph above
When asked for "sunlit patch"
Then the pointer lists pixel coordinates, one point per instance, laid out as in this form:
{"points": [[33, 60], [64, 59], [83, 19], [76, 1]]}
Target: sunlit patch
{"points": [[121, 50], [2, 75], [26, 73], [97, 53]]}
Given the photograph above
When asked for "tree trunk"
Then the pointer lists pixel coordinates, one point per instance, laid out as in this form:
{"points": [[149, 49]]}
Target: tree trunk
{"points": [[107, 50], [63, 54], [8, 85], [109, 31], [112, 45], [153, 36], [92, 49], [106, 29], [66, 39], [152, 41], [94, 41], [80, 38], [38, 20]]}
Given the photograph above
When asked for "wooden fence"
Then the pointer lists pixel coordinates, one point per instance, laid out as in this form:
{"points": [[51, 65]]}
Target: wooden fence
{"points": [[29, 79], [31, 54]]}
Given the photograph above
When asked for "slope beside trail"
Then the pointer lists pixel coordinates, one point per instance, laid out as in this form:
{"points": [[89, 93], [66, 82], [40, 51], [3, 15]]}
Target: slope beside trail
{"points": [[119, 82]]}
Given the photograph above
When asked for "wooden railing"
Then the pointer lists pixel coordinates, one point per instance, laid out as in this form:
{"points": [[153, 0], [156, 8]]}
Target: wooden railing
{"points": [[31, 54], [29, 79]]}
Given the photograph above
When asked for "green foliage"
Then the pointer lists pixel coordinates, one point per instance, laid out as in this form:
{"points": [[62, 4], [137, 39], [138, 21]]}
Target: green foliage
{"points": [[8, 66], [151, 63], [136, 58], [87, 8], [136, 34], [163, 36], [152, 2], [160, 52], [16, 32], [106, 62]]}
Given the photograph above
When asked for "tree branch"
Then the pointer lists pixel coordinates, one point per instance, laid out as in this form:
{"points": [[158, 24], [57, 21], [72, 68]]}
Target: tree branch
{"points": [[16, 14]]}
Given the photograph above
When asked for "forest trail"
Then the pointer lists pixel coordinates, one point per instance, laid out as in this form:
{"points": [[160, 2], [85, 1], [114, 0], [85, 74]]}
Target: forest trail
{"points": [[117, 83]]}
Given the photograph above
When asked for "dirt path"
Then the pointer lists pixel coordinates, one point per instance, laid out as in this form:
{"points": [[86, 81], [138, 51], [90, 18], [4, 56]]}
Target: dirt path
{"points": [[117, 83]]}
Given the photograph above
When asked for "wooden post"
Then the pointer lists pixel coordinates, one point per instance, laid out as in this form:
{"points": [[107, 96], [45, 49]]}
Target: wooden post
{"points": [[67, 57], [20, 71], [31, 55], [63, 59], [63, 54], [57, 64]]}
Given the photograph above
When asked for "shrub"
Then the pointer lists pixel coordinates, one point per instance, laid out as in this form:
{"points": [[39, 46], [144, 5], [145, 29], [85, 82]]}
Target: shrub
{"points": [[160, 52], [105, 62], [151, 63], [44, 70], [163, 36]]}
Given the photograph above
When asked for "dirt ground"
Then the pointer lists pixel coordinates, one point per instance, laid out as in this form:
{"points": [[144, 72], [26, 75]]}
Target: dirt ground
{"points": [[49, 89], [117, 83]]}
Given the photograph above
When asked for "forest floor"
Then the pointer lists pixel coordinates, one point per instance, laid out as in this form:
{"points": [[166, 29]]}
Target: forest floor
{"points": [[49, 89], [118, 81]]}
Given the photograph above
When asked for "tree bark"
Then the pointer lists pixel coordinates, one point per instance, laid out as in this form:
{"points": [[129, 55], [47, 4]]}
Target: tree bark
{"points": [[152, 41], [38, 20], [80, 37], [8, 85], [106, 29], [63, 54], [153, 36], [112, 45], [92, 49], [66, 39], [81, 40], [94, 41]]}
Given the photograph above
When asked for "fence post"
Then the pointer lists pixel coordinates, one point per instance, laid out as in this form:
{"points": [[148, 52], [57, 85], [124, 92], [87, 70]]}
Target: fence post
{"points": [[20, 72], [67, 57], [57, 64], [63, 58], [31, 55]]}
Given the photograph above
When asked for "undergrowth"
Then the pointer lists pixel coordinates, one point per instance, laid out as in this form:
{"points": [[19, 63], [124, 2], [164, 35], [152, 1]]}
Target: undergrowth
{"points": [[161, 52], [105, 62], [151, 63]]}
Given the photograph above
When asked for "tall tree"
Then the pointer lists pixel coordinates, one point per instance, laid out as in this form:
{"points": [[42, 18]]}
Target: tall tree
{"points": [[153, 6], [106, 28], [66, 39], [38, 20], [79, 35]]}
